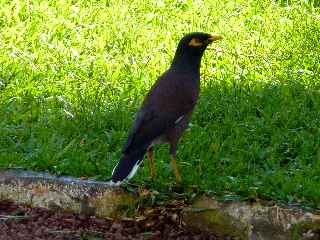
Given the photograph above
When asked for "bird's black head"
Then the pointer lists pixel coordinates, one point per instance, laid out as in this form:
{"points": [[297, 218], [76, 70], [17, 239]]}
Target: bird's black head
{"points": [[191, 48], [197, 42]]}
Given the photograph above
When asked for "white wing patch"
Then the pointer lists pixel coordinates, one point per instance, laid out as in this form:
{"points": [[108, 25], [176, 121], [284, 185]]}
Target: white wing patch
{"points": [[179, 119]]}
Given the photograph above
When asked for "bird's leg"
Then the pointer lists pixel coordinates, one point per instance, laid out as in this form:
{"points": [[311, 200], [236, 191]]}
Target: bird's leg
{"points": [[175, 169], [174, 164], [151, 162]]}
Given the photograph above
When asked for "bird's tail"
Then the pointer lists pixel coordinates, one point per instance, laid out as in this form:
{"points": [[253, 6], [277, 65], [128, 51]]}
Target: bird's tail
{"points": [[127, 166]]}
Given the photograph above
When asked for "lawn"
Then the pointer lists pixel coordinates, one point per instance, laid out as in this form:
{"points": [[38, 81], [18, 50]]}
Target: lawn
{"points": [[73, 73]]}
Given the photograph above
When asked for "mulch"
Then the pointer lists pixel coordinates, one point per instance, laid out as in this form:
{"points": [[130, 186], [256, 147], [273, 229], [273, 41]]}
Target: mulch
{"points": [[24, 222]]}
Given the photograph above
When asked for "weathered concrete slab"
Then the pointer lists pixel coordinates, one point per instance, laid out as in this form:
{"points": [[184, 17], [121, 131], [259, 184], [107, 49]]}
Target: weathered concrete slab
{"points": [[67, 193]]}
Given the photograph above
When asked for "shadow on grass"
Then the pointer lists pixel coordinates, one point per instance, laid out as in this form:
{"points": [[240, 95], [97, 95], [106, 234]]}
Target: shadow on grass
{"points": [[254, 140], [258, 141]]}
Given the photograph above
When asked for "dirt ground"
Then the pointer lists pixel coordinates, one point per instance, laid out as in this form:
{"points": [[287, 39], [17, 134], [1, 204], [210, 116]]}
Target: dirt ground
{"points": [[23, 222]]}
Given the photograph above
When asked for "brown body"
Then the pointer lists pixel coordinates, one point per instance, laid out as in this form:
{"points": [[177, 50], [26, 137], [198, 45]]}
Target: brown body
{"points": [[166, 111]]}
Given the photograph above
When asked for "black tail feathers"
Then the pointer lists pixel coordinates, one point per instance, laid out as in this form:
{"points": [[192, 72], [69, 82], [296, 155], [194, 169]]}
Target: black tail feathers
{"points": [[127, 166]]}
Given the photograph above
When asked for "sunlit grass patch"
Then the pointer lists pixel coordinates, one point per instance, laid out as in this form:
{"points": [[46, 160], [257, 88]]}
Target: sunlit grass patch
{"points": [[72, 75]]}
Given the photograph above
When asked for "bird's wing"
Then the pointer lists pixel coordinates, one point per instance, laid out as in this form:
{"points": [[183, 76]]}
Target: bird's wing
{"points": [[172, 97], [163, 107], [141, 118], [148, 126]]}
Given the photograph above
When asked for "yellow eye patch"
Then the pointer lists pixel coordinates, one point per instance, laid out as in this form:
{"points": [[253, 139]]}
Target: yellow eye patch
{"points": [[195, 42]]}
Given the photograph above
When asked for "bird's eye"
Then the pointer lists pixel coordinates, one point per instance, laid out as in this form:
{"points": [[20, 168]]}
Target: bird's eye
{"points": [[195, 42]]}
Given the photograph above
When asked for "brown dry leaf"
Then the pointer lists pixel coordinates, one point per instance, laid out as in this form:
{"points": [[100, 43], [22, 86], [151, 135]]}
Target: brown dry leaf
{"points": [[40, 190], [140, 218], [144, 192]]}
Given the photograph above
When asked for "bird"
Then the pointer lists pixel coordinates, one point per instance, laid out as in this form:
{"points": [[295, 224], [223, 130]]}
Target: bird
{"points": [[166, 109]]}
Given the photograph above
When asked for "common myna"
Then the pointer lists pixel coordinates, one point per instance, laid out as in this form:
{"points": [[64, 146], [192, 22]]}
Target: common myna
{"points": [[166, 109]]}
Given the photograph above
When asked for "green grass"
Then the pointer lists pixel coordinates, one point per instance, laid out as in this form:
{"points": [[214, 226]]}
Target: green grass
{"points": [[73, 73]]}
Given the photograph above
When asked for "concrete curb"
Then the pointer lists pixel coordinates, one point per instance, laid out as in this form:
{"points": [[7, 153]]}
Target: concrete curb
{"points": [[65, 193], [253, 221]]}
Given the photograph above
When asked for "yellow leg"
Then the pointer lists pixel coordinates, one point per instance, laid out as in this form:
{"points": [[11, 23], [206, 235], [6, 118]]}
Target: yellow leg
{"points": [[175, 169], [151, 163]]}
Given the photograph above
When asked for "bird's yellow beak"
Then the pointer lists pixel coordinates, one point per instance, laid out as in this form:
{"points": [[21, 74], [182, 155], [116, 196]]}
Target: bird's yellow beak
{"points": [[215, 37]]}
